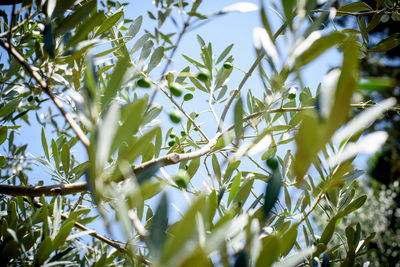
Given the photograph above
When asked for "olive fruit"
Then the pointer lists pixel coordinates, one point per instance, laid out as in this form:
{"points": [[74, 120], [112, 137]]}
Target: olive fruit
{"points": [[204, 75], [175, 89], [228, 65], [182, 178], [272, 163], [188, 96], [143, 82], [175, 117], [171, 142]]}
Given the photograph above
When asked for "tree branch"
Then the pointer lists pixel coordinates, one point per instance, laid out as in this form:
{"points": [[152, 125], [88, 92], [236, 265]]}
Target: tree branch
{"points": [[78, 131], [169, 159], [49, 190]]}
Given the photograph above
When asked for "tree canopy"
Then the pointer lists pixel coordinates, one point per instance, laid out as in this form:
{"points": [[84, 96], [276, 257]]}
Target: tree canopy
{"points": [[121, 132]]}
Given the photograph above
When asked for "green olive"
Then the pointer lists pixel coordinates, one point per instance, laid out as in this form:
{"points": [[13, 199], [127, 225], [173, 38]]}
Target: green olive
{"points": [[228, 65], [176, 89], [171, 142], [144, 82], [188, 96], [182, 178], [272, 163], [292, 96], [175, 117], [204, 75], [183, 133]]}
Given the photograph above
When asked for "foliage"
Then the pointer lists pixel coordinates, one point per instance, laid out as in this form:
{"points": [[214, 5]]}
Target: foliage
{"points": [[380, 74], [103, 74]]}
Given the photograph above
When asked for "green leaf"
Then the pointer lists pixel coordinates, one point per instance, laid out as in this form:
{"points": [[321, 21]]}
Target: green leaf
{"points": [[317, 47], [197, 84], [44, 251], [375, 21], [193, 167], [135, 147], [238, 119], [62, 234], [140, 42], [86, 27], [346, 85], [234, 187], [131, 117], [354, 205], [9, 107], [61, 7], [146, 50], [355, 7], [288, 6], [270, 251], [182, 75], [288, 240], [159, 225], [216, 167], [328, 231], [229, 170], [44, 144], [307, 141], [200, 40], [155, 58], [55, 152], [48, 39], [65, 158], [212, 206], [109, 23], [152, 114], [272, 191], [182, 231], [222, 75], [116, 80], [244, 191], [224, 53], [107, 128], [134, 28], [378, 84], [71, 21], [194, 62], [3, 134], [158, 143], [387, 44]]}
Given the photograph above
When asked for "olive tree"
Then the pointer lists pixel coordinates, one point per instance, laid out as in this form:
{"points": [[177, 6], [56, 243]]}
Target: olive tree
{"points": [[102, 84]]}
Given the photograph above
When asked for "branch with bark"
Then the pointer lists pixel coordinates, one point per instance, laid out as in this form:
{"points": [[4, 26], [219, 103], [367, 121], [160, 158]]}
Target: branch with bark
{"points": [[166, 160], [75, 127]]}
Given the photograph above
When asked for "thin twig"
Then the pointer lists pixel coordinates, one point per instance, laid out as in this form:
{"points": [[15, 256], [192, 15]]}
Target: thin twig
{"points": [[237, 90], [349, 13], [181, 110], [4, 34], [77, 202], [185, 25], [75, 127], [312, 207]]}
